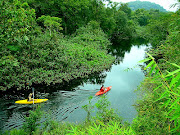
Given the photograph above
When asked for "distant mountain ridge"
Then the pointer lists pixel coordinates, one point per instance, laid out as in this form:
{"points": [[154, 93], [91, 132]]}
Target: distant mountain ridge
{"points": [[134, 5]]}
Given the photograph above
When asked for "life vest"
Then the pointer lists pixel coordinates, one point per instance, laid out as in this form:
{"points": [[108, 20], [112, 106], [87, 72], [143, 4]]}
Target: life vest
{"points": [[102, 89]]}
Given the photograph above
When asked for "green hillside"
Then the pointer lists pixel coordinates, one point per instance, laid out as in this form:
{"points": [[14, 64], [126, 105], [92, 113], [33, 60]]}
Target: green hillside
{"points": [[134, 5]]}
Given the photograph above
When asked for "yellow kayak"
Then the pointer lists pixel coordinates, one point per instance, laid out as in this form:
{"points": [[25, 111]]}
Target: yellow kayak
{"points": [[30, 102]]}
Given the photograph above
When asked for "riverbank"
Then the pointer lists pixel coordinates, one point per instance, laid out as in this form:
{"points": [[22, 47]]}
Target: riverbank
{"points": [[158, 110]]}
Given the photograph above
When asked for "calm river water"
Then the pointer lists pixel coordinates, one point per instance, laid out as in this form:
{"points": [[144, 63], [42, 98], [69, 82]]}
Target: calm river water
{"points": [[65, 102]]}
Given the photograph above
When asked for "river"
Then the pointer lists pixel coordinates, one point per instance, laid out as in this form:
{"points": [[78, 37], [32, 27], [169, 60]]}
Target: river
{"points": [[65, 102]]}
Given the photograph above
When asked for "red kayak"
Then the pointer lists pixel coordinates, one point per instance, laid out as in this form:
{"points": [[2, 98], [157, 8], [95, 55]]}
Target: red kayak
{"points": [[106, 90]]}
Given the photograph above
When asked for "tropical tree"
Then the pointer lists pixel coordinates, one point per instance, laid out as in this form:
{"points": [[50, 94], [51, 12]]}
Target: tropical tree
{"points": [[124, 7], [17, 24], [51, 23]]}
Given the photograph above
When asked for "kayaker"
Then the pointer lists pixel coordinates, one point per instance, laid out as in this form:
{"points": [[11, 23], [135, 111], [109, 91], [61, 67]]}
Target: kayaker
{"points": [[102, 88], [30, 97]]}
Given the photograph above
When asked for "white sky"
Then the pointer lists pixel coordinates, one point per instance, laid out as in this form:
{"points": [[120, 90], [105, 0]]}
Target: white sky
{"points": [[164, 3]]}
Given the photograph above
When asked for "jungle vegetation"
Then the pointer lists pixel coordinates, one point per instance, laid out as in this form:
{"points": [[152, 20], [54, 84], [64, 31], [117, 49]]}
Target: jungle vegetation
{"points": [[54, 41], [48, 42]]}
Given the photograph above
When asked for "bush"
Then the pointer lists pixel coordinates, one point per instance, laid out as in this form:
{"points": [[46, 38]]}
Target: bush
{"points": [[32, 122]]}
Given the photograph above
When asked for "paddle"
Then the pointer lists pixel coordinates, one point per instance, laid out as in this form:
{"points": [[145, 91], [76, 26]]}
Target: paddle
{"points": [[33, 94]]}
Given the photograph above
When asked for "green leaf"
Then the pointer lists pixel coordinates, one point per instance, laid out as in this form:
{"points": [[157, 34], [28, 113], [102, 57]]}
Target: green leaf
{"points": [[174, 65], [157, 71], [174, 80], [174, 129], [13, 47], [152, 69], [174, 118], [4, 62], [177, 84], [174, 72], [26, 38], [155, 80], [165, 94], [168, 78], [157, 87], [172, 109], [150, 56], [15, 64], [174, 93], [149, 65], [166, 103], [174, 103], [147, 59]]}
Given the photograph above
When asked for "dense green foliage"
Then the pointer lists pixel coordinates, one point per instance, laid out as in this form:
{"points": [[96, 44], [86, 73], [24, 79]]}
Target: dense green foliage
{"points": [[69, 58], [34, 51], [153, 25], [159, 107], [157, 29], [76, 14], [134, 5], [30, 54], [31, 32], [158, 110], [31, 123]]}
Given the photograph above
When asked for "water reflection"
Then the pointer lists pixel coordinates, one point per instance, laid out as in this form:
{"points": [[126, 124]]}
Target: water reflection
{"points": [[96, 78], [119, 50], [139, 42]]}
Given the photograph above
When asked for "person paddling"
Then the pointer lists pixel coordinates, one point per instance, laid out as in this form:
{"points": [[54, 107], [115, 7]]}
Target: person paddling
{"points": [[102, 88], [30, 97]]}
